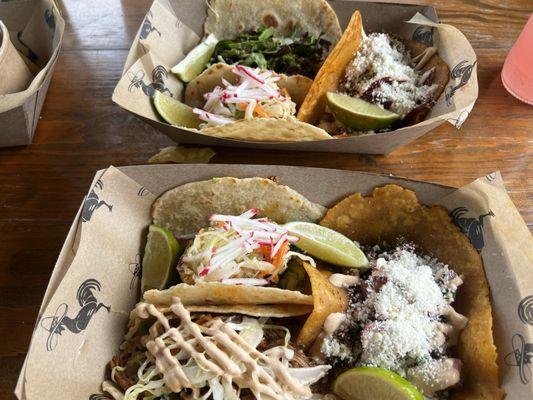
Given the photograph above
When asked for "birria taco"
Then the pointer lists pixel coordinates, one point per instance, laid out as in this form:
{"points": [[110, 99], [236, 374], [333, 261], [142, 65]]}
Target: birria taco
{"points": [[409, 319], [374, 82]]}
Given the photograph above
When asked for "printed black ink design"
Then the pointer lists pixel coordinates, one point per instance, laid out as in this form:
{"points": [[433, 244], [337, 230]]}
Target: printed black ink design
{"points": [[463, 72], [57, 323], [93, 203], [491, 177], [147, 27], [472, 227], [424, 34], [99, 396], [158, 81], [525, 310], [135, 269], [521, 357], [50, 19], [142, 192], [29, 53], [461, 118]]}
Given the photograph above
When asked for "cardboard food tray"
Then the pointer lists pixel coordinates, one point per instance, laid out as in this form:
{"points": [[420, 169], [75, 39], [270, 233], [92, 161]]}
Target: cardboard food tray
{"points": [[104, 246], [36, 30], [173, 27]]}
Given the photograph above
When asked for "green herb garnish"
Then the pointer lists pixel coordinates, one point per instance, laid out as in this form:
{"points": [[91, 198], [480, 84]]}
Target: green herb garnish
{"points": [[296, 54]]}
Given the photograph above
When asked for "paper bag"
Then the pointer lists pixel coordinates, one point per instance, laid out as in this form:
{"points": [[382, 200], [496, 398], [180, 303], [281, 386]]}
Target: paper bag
{"points": [[173, 27], [36, 30], [95, 282]]}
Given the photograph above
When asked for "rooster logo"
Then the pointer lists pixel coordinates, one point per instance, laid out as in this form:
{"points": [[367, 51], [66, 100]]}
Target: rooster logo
{"points": [[147, 27], [158, 81], [525, 310], [59, 322], [93, 203], [472, 227], [98, 396], [463, 72], [135, 270], [521, 357]]}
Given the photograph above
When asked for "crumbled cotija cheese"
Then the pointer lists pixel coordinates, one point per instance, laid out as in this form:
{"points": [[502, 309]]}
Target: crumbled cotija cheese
{"points": [[405, 308], [394, 316], [382, 58]]}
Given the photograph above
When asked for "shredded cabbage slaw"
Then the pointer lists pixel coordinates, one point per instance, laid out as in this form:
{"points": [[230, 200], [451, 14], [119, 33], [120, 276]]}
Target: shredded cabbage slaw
{"points": [[239, 250], [255, 95], [213, 383]]}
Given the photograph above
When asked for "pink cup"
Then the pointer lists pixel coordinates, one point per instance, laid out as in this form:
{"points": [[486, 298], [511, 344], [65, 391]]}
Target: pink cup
{"points": [[517, 72]]}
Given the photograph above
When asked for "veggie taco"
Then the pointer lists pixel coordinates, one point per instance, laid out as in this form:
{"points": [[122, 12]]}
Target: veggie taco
{"points": [[287, 37], [394, 298]]}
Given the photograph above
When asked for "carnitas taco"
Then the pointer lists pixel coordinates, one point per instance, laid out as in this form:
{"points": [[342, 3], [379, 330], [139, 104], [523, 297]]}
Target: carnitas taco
{"points": [[375, 82], [394, 298]]}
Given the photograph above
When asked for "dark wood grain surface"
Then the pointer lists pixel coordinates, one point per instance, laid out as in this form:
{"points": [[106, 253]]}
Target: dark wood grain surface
{"points": [[82, 131]]}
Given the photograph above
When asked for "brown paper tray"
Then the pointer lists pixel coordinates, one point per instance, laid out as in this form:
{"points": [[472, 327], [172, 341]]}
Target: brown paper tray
{"points": [[106, 239], [36, 29], [184, 20]]}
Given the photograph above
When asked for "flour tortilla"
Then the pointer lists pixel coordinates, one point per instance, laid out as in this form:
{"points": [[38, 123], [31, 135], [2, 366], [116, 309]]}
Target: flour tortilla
{"points": [[392, 212], [258, 129], [216, 293], [185, 209], [228, 19], [268, 130]]}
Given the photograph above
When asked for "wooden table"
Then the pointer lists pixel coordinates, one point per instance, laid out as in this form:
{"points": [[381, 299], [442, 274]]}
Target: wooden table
{"points": [[82, 131]]}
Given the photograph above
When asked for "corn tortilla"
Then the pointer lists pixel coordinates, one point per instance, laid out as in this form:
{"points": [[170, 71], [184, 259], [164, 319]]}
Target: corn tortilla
{"points": [[392, 212]]}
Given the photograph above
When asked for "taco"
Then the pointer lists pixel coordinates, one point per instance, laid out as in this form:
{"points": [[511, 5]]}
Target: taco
{"points": [[237, 253], [244, 103], [402, 310], [250, 74], [414, 321], [287, 37], [374, 82], [171, 352]]}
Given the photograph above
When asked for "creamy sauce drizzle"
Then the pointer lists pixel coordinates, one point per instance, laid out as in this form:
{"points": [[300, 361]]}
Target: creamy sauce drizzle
{"points": [[218, 348], [343, 281]]}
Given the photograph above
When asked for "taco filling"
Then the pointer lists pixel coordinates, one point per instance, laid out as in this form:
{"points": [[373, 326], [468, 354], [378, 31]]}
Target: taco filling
{"points": [[399, 318], [296, 54], [239, 250], [200, 356], [255, 95], [384, 73]]}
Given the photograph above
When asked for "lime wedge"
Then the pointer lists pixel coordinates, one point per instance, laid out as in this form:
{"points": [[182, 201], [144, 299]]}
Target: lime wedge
{"points": [[370, 383], [160, 258], [174, 111], [359, 114], [194, 63], [327, 244]]}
